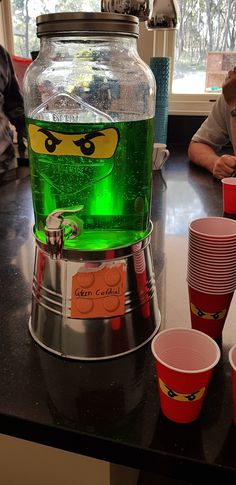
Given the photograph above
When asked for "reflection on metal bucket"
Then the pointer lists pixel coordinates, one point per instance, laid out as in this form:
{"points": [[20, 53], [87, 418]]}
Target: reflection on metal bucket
{"points": [[102, 395], [74, 322]]}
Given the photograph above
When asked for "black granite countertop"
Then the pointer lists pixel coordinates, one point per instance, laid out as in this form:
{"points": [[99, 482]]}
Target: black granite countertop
{"points": [[110, 409]]}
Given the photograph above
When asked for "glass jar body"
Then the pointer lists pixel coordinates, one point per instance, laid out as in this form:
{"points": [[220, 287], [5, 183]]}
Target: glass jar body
{"points": [[90, 104]]}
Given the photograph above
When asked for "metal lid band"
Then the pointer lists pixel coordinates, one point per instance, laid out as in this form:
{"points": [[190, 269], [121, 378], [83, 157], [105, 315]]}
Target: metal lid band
{"points": [[74, 23]]}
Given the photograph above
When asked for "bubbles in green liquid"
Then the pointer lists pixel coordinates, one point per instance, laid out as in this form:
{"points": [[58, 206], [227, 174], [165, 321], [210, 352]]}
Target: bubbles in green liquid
{"points": [[115, 192]]}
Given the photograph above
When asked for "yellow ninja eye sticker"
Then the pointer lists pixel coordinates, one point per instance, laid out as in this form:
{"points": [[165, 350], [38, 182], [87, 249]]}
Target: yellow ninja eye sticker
{"points": [[206, 315], [95, 144], [179, 396]]}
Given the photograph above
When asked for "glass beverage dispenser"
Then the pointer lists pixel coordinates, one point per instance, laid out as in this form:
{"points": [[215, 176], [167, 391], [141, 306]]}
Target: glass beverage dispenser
{"points": [[90, 102]]}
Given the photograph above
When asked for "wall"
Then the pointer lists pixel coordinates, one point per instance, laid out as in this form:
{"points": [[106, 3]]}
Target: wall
{"points": [[6, 34], [182, 128], [26, 463], [1, 26]]}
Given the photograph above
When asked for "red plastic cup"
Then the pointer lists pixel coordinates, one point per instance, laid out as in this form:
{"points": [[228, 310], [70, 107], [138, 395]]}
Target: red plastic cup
{"points": [[212, 269], [213, 263], [185, 359], [222, 252], [213, 228], [209, 289], [209, 311], [232, 360], [229, 195]]}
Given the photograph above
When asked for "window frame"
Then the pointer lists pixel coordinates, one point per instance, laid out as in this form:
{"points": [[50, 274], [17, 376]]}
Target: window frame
{"points": [[7, 39], [161, 43]]}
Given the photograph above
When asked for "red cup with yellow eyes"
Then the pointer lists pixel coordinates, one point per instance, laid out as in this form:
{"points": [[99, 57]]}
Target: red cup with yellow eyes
{"points": [[209, 311], [185, 359]]}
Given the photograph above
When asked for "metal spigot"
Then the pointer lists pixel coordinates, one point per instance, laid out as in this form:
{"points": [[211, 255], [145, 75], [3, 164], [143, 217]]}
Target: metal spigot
{"points": [[59, 228], [158, 14], [139, 8], [164, 16]]}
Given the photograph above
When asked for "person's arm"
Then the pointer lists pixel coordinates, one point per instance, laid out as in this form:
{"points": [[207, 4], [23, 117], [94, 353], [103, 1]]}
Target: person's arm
{"points": [[207, 142], [233, 128], [203, 155], [229, 92]]}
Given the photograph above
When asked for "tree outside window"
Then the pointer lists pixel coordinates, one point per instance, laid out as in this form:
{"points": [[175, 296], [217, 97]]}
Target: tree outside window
{"points": [[24, 13], [206, 45]]}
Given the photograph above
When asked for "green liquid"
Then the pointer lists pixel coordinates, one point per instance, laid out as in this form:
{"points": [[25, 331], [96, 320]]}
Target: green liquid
{"points": [[115, 192]]}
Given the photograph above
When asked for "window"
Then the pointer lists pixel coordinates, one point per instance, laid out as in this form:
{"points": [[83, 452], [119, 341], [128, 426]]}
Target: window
{"points": [[203, 48], [205, 51], [24, 13], [205, 44]]}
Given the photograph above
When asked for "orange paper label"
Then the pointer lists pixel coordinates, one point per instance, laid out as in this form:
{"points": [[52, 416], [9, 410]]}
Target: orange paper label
{"points": [[99, 293]]}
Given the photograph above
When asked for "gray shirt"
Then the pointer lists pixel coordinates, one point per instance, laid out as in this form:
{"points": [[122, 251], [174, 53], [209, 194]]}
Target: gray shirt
{"points": [[215, 131], [11, 109]]}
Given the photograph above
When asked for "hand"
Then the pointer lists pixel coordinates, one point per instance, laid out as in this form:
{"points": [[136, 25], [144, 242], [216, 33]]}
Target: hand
{"points": [[224, 166], [229, 88]]}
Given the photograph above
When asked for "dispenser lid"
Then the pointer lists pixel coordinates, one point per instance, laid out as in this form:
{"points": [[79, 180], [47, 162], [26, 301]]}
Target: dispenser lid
{"points": [[74, 23]]}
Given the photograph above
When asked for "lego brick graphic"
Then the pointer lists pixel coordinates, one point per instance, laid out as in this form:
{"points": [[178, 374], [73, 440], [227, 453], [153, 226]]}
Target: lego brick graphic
{"points": [[100, 292]]}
